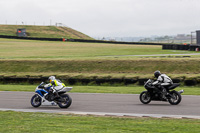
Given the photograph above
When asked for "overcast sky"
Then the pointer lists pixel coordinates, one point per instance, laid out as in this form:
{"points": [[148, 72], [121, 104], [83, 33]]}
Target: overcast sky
{"points": [[107, 18]]}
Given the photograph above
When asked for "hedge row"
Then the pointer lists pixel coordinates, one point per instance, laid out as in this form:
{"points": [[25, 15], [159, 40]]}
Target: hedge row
{"points": [[89, 80]]}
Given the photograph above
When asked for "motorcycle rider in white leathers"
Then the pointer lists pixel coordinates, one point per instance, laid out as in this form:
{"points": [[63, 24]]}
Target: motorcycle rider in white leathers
{"points": [[163, 81], [56, 85]]}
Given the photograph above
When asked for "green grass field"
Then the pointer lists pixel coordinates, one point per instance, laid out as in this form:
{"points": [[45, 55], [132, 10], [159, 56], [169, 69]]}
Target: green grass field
{"points": [[35, 57], [20, 122], [101, 89], [24, 49]]}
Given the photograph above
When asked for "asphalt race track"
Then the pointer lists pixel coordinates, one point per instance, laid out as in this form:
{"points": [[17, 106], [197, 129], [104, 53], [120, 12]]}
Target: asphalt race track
{"points": [[105, 104]]}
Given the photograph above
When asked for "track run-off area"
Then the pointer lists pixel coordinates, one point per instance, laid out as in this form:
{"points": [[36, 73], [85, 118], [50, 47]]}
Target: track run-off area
{"points": [[102, 104]]}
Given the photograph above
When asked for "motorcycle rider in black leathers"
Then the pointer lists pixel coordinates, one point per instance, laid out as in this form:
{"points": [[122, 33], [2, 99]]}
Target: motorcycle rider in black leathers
{"points": [[162, 82]]}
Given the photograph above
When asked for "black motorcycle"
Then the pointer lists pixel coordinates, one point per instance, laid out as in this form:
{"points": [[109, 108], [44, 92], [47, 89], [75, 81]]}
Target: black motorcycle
{"points": [[153, 93]]}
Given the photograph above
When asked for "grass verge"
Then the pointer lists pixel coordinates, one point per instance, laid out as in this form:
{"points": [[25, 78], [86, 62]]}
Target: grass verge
{"points": [[20, 122], [99, 66], [100, 89]]}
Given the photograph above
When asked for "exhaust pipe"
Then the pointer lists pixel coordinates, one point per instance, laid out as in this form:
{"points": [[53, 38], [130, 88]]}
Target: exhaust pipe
{"points": [[181, 91]]}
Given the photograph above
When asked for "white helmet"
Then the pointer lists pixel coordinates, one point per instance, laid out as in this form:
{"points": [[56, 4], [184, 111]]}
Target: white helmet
{"points": [[51, 78]]}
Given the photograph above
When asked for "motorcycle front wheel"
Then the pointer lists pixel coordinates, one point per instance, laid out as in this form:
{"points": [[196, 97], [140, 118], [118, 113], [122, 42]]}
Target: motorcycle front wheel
{"points": [[175, 98], [145, 97], [36, 101], [67, 103]]}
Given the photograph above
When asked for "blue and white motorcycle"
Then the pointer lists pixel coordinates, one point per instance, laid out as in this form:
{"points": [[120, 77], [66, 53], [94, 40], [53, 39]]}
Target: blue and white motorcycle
{"points": [[44, 95]]}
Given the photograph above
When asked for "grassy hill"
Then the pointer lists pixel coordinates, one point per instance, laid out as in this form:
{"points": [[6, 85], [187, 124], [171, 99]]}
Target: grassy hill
{"points": [[44, 31]]}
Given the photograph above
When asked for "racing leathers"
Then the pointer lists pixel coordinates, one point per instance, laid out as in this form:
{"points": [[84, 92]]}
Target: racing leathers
{"points": [[56, 85], [163, 81]]}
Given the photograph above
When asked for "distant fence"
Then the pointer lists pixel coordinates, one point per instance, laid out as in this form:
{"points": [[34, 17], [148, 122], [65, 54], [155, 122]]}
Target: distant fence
{"points": [[181, 47], [31, 38], [194, 47], [176, 47], [78, 40], [114, 42]]}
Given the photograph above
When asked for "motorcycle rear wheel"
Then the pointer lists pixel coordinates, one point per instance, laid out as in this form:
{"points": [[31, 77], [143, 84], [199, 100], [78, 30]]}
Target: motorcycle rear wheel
{"points": [[145, 97], [176, 99], [36, 101], [67, 103]]}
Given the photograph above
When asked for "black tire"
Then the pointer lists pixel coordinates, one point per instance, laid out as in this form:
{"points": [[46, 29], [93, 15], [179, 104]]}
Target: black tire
{"points": [[176, 98], [67, 103], [145, 97], [36, 101]]}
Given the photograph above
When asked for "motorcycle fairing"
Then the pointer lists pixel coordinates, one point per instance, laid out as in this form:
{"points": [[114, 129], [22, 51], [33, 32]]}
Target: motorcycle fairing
{"points": [[173, 86], [41, 92]]}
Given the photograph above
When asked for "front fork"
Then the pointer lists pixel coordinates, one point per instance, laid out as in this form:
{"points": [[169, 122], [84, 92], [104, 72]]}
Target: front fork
{"points": [[42, 97]]}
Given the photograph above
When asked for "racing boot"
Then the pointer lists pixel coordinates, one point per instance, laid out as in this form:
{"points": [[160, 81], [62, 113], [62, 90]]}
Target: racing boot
{"points": [[56, 95]]}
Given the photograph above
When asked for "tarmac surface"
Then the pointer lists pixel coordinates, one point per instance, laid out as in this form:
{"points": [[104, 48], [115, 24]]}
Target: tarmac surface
{"points": [[106, 104]]}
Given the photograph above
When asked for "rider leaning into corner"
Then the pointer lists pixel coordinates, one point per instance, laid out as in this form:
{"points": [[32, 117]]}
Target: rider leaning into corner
{"points": [[56, 85], [163, 81]]}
